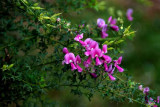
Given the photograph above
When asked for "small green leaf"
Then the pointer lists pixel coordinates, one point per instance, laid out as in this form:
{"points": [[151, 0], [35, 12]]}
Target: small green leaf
{"points": [[10, 66], [119, 41], [110, 48], [37, 8]]}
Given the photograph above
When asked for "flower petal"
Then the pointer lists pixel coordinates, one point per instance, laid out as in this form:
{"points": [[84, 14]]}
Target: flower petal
{"points": [[104, 34], [107, 59], [78, 37], [78, 59], [111, 77], [120, 69], [94, 75], [129, 14], [79, 68], [115, 28], [113, 22], [73, 67], [98, 62], [105, 67], [104, 49], [65, 50], [110, 19]]}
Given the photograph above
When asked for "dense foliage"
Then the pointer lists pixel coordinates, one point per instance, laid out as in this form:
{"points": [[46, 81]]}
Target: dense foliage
{"points": [[34, 60]]}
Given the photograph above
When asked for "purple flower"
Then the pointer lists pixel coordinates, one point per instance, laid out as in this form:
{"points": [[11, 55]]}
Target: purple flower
{"points": [[104, 49], [117, 63], [105, 67], [151, 98], [69, 58], [129, 14], [110, 72], [110, 69], [146, 90], [87, 42], [82, 43], [110, 19], [65, 50], [78, 37], [107, 59], [78, 61], [100, 22], [158, 97], [94, 75], [111, 77], [140, 87], [96, 53], [115, 28], [112, 23], [104, 30], [104, 34], [87, 62], [73, 67], [92, 45], [58, 19]]}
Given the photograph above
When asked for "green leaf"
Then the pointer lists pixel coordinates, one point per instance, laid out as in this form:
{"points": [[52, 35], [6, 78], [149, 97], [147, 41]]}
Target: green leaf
{"points": [[119, 41], [10, 66], [108, 42], [110, 48], [37, 8]]}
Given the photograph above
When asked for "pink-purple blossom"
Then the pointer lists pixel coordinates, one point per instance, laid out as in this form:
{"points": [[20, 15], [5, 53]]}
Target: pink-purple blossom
{"points": [[78, 61], [111, 77], [104, 30], [100, 22], [104, 49], [58, 19], [104, 34], [140, 87], [115, 28], [146, 90], [104, 27], [78, 37], [112, 23], [117, 63], [129, 14], [106, 60], [69, 58], [110, 72], [91, 44], [94, 75], [96, 53], [65, 50], [88, 61], [158, 99]]}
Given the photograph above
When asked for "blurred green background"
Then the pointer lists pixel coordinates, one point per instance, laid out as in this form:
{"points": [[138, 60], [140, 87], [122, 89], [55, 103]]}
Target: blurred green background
{"points": [[141, 56]]}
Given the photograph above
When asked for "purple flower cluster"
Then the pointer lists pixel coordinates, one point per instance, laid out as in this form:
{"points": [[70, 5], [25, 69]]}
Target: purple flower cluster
{"points": [[104, 27], [96, 57], [150, 101], [70, 58]]}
